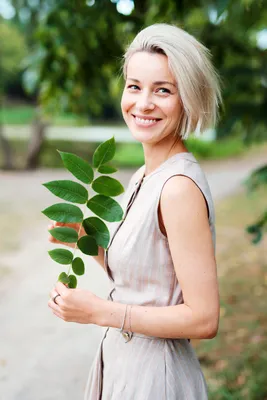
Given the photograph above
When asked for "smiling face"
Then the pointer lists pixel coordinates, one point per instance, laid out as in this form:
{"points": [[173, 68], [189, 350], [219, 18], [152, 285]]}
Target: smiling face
{"points": [[150, 103]]}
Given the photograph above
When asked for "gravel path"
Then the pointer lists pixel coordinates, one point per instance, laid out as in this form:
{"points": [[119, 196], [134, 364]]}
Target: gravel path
{"points": [[42, 357]]}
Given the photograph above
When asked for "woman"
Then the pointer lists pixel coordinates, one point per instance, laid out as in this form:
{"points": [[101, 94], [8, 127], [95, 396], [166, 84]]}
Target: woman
{"points": [[161, 256]]}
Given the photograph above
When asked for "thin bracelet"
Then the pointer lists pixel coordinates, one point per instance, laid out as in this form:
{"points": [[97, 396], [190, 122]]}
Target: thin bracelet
{"points": [[127, 335], [130, 324], [123, 322]]}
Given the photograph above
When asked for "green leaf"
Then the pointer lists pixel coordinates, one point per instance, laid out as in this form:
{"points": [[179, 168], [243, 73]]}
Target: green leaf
{"points": [[68, 190], [107, 186], [106, 208], [87, 244], [63, 277], [61, 256], [78, 266], [62, 212], [72, 282], [65, 234], [78, 167], [104, 153], [93, 226], [107, 169]]}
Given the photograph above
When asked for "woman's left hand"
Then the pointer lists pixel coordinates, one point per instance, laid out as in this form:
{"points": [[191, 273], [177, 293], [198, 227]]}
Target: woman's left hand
{"points": [[75, 305]]}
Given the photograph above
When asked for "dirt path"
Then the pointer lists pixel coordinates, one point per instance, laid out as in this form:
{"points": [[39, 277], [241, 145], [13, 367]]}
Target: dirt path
{"points": [[41, 357]]}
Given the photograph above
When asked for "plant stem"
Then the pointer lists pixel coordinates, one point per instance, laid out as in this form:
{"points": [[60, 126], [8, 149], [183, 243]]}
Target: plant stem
{"points": [[79, 231]]}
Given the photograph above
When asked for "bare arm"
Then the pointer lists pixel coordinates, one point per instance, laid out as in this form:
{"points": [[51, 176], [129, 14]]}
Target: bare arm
{"points": [[99, 258], [184, 214]]}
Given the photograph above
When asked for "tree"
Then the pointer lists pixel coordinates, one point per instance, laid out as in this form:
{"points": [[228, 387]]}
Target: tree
{"points": [[12, 51], [78, 46], [76, 57]]}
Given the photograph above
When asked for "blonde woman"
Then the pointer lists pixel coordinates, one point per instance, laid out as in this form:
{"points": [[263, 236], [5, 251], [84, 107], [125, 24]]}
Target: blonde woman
{"points": [[161, 258]]}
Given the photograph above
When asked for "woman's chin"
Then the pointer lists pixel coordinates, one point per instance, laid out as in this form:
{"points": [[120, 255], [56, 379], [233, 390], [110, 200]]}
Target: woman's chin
{"points": [[143, 137]]}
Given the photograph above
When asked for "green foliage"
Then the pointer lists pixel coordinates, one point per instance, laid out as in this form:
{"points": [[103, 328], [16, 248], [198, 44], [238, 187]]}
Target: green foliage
{"points": [[64, 36], [107, 169], [78, 266], [64, 213], [88, 245], [24, 115], [64, 234], [105, 207], [12, 51], [72, 282], [104, 153], [68, 190], [63, 277], [107, 186], [17, 115], [95, 227], [97, 233], [78, 167], [75, 56], [61, 256], [257, 179]]}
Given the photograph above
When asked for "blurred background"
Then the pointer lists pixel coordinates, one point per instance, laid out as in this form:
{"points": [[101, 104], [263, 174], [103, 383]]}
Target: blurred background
{"points": [[60, 88]]}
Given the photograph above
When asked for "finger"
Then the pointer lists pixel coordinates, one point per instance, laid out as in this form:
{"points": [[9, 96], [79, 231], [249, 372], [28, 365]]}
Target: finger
{"points": [[55, 307], [61, 289], [58, 300], [52, 293], [52, 239], [59, 223]]}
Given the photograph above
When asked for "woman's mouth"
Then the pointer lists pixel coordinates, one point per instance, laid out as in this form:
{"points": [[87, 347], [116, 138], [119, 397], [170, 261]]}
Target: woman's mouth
{"points": [[145, 121]]}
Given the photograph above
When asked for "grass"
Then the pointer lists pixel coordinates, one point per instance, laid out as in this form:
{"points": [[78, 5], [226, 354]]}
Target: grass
{"points": [[235, 361], [23, 115]]}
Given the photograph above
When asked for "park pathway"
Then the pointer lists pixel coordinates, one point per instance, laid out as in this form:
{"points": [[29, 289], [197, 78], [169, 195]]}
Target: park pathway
{"points": [[42, 357]]}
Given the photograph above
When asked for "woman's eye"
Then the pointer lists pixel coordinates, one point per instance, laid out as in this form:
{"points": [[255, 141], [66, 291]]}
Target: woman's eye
{"points": [[163, 90], [134, 87]]}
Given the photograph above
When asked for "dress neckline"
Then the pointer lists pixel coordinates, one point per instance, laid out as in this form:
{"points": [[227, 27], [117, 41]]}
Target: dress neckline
{"points": [[184, 154]]}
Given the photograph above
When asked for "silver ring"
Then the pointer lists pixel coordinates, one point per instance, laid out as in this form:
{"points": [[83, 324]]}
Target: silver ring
{"points": [[54, 298]]}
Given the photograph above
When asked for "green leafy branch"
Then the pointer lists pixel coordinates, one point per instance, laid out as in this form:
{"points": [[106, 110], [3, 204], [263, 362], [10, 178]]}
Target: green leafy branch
{"points": [[257, 178], [102, 205]]}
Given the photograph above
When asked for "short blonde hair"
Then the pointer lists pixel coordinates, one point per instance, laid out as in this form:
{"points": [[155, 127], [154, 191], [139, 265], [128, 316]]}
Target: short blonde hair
{"points": [[189, 62]]}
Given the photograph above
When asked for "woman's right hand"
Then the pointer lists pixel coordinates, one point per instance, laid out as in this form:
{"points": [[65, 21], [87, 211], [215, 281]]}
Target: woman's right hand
{"points": [[76, 226]]}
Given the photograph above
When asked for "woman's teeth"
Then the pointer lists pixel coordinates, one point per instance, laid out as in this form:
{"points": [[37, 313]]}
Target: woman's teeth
{"points": [[145, 121]]}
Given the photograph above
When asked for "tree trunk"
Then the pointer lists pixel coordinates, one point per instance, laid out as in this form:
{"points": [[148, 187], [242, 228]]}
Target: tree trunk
{"points": [[35, 143], [4, 143], [6, 150]]}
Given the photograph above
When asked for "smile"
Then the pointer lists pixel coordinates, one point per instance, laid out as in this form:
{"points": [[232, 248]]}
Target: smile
{"points": [[146, 121]]}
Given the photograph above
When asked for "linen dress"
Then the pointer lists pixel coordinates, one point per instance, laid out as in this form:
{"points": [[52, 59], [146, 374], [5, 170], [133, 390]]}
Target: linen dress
{"points": [[139, 265]]}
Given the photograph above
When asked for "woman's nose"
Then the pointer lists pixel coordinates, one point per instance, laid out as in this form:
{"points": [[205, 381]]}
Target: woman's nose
{"points": [[144, 102]]}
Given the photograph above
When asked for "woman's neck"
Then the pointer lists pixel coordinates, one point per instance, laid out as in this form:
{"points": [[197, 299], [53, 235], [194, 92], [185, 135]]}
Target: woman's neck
{"points": [[157, 154]]}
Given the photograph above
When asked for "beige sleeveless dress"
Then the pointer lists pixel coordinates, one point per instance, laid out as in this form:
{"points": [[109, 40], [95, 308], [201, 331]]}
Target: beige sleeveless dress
{"points": [[140, 267]]}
